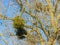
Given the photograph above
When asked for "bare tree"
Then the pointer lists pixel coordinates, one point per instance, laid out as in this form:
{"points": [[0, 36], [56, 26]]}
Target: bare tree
{"points": [[36, 16]]}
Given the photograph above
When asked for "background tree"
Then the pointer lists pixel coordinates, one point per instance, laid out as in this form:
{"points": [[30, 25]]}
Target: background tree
{"points": [[41, 21]]}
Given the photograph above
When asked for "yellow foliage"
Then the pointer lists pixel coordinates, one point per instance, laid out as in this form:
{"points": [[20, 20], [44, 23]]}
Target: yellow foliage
{"points": [[18, 22], [38, 6]]}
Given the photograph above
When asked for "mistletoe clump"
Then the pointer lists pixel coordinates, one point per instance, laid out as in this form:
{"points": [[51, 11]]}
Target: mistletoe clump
{"points": [[18, 24]]}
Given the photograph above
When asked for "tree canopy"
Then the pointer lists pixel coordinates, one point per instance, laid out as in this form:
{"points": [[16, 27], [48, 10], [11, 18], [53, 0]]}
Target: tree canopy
{"points": [[31, 22]]}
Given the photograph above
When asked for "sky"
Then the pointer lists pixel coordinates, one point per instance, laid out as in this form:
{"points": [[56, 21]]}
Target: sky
{"points": [[7, 9], [10, 10]]}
